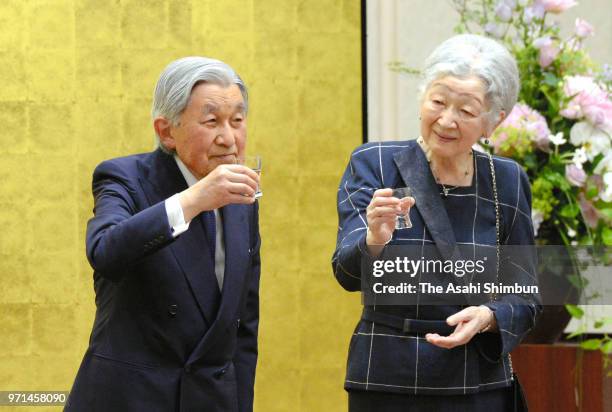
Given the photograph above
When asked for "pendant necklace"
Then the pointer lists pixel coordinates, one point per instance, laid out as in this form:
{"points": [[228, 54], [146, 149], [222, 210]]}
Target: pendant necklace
{"points": [[445, 189]]}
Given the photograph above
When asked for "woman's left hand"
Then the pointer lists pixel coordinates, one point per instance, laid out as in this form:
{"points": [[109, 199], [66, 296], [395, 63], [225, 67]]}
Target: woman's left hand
{"points": [[469, 321]]}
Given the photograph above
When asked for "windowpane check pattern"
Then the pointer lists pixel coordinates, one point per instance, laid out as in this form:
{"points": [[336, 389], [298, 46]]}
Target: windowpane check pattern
{"points": [[382, 358]]}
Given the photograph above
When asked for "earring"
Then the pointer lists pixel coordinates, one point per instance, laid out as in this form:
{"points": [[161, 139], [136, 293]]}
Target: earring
{"points": [[486, 140]]}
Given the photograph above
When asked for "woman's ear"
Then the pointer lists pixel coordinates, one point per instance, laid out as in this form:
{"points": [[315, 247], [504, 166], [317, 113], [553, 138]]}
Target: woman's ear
{"points": [[501, 117], [163, 128]]}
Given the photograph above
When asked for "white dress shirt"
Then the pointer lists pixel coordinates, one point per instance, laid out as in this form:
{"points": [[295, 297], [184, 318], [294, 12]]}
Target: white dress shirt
{"points": [[176, 219]]}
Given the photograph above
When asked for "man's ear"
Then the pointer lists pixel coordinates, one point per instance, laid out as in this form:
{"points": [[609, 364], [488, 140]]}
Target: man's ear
{"points": [[163, 128]]}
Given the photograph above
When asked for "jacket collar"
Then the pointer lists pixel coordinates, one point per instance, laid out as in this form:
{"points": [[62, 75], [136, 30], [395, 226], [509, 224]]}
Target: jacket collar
{"points": [[416, 174]]}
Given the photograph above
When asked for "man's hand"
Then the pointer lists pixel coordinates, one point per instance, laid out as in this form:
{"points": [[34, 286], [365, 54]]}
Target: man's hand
{"points": [[226, 184], [469, 321]]}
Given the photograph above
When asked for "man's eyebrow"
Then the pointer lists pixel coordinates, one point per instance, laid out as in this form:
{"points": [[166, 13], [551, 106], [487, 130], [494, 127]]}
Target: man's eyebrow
{"points": [[209, 108]]}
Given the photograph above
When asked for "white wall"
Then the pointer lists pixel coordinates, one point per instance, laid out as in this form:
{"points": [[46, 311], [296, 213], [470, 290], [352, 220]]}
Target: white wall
{"points": [[408, 30]]}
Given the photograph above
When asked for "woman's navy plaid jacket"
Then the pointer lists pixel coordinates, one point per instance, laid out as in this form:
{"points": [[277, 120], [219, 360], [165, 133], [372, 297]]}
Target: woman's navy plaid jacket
{"points": [[382, 358]]}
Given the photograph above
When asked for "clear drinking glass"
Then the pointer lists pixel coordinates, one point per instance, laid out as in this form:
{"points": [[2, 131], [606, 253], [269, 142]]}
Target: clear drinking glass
{"points": [[254, 163], [403, 218]]}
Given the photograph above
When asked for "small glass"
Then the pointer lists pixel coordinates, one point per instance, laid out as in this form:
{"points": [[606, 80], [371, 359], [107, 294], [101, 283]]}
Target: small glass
{"points": [[254, 163], [403, 218]]}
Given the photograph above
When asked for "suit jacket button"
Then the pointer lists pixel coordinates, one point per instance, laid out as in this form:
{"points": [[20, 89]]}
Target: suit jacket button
{"points": [[188, 368], [218, 374], [172, 309]]}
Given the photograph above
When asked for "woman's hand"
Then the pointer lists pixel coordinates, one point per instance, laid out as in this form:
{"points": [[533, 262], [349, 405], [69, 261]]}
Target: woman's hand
{"points": [[469, 321], [381, 214]]}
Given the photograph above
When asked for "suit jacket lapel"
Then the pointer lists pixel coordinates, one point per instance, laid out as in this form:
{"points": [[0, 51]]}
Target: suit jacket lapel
{"points": [[415, 172], [162, 180]]}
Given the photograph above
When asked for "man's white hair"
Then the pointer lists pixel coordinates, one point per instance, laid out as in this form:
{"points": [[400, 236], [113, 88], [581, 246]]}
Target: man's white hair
{"points": [[178, 79]]}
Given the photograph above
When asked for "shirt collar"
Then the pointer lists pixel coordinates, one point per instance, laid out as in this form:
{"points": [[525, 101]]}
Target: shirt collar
{"points": [[189, 177]]}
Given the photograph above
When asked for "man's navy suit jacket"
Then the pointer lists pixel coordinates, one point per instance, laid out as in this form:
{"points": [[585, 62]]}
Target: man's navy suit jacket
{"points": [[165, 338]]}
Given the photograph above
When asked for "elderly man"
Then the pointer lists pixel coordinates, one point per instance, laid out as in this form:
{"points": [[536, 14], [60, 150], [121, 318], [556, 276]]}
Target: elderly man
{"points": [[174, 244]]}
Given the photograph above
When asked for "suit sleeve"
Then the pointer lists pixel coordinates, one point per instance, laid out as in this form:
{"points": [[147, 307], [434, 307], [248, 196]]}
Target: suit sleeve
{"points": [[355, 192], [515, 314], [245, 359], [122, 232]]}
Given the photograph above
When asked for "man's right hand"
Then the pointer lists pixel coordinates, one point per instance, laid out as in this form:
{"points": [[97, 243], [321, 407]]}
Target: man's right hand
{"points": [[226, 184]]}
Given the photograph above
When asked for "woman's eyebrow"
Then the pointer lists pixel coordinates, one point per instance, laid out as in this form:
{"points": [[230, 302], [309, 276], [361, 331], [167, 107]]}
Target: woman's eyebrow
{"points": [[470, 95]]}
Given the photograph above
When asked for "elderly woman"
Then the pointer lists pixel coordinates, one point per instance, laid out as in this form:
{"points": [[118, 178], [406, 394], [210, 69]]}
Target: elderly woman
{"points": [[452, 356]]}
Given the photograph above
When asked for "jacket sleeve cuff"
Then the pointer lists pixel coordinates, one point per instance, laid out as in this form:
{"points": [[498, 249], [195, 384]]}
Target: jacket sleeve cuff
{"points": [[512, 324], [490, 344]]}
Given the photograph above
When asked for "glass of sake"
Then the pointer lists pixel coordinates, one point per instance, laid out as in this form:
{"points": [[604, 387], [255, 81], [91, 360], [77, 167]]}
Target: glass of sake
{"points": [[253, 163], [403, 218]]}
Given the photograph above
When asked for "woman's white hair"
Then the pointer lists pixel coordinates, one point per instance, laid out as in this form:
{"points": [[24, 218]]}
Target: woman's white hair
{"points": [[178, 79], [469, 55]]}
